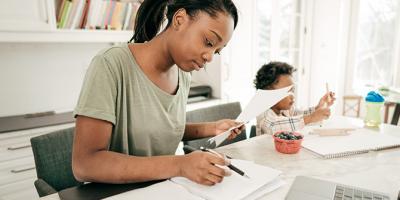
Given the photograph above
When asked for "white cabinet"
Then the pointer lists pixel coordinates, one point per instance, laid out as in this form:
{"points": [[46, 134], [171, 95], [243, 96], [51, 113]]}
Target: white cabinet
{"points": [[27, 15], [17, 165]]}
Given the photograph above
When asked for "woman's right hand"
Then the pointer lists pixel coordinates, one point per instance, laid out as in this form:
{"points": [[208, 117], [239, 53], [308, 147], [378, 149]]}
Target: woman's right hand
{"points": [[201, 167]]}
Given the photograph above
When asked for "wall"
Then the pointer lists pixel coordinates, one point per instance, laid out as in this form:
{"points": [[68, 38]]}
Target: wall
{"points": [[39, 77], [232, 74]]}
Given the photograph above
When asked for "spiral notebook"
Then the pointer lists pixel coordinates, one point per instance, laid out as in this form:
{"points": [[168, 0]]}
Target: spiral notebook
{"points": [[359, 141]]}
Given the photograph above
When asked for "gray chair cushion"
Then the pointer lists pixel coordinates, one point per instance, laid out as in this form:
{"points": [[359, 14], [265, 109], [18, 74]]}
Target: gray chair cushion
{"points": [[214, 113], [53, 158]]}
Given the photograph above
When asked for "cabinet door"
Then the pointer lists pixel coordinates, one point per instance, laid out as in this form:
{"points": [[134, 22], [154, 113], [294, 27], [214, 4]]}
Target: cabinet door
{"points": [[27, 15]]}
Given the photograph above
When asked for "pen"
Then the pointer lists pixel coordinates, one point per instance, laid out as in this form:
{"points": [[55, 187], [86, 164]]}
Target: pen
{"points": [[230, 166], [329, 95], [190, 149]]}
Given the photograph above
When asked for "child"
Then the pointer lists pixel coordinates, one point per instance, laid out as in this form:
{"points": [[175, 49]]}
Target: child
{"points": [[283, 116]]}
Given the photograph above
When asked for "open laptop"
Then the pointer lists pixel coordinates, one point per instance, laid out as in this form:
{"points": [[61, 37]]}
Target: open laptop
{"points": [[307, 188]]}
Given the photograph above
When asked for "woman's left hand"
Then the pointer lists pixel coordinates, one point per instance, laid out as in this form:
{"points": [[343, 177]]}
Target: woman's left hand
{"points": [[225, 124]]}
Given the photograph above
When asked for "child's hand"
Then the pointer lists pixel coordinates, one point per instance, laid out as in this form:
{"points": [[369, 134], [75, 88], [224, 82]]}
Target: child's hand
{"points": [[327, 100], [319, 115]]}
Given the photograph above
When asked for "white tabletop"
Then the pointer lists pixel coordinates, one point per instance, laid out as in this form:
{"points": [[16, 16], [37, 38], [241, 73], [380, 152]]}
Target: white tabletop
{"points": [[377, 170]]}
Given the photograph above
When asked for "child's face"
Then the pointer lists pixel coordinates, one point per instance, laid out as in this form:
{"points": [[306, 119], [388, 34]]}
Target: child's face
{"points": [[287, 102]]}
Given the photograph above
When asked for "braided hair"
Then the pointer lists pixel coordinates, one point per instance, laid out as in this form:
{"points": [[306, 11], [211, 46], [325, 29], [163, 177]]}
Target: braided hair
{"points": [[152, 13]]}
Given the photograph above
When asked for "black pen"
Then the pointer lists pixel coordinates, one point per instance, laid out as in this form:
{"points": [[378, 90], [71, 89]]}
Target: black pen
{"points": [[230, 166]]}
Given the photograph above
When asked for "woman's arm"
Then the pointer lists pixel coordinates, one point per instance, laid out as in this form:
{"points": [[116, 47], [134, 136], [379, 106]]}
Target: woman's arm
{"points": [[199, 130], [210, 129], [92, 162]]}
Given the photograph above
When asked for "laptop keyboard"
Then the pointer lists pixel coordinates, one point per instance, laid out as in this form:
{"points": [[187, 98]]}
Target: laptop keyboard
{"points": [[348, 193]]}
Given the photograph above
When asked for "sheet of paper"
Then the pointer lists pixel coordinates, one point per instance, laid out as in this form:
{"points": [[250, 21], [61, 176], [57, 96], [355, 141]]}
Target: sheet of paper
{"points": [[167, 190], [261, 101], [222, 137], [236, 186], [275, 184], [334, 123]]}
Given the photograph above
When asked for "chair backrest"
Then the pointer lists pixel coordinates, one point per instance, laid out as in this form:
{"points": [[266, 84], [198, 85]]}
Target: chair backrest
{"points": [[214, 113], [396, 115], [253, 131], [53, 158], [351, 105]]}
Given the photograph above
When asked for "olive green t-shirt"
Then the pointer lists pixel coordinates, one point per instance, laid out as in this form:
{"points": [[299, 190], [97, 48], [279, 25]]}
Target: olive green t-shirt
{"points": [[146, 120]]}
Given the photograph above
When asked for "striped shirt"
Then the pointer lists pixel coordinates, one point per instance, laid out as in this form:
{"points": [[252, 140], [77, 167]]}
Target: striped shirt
{"points": [[288, 120]]}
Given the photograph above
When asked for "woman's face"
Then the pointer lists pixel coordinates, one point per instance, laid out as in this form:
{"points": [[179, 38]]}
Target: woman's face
{"points": [[287, 102], [196, 40]]}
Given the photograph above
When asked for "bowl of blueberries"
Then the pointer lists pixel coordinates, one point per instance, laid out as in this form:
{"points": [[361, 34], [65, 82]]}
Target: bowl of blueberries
{"points": [[287, 142]]}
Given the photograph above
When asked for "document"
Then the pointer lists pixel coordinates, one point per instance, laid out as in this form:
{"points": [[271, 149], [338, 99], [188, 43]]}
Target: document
{"points": [[261, 101], [262, 180], [234, 186]]}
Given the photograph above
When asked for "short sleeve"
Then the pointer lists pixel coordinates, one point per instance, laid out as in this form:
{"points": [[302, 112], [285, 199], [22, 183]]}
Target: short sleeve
{"points": [[98, 94]]}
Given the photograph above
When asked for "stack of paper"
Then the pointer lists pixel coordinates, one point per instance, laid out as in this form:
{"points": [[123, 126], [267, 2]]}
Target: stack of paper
{"points": [[261, 180]]}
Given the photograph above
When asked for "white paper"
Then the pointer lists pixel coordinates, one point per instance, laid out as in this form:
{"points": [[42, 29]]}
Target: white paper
{"points": [[222, 137], [234, 187], [261, 101], [166, 190], [273, 185]]}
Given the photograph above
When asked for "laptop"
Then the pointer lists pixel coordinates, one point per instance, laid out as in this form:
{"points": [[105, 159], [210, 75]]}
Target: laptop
{"points": [[307, 188]]}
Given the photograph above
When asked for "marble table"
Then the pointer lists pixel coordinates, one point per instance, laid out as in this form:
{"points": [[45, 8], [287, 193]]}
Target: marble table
{"points": [[376, 170]]}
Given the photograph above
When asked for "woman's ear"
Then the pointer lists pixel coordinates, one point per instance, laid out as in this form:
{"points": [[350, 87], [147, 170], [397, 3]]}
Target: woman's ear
{"points": [[180, 17]]}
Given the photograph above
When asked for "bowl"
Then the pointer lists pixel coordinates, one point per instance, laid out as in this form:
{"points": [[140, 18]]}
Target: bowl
{"points": [[290, 145]]}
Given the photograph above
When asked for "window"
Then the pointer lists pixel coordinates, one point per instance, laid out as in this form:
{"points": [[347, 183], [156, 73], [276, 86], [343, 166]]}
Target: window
{"points": [[278, 31], [376, 43], [280, 37]]}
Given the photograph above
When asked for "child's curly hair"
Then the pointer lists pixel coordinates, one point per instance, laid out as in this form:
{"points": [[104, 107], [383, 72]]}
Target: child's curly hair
{"points": [[268, 74]]}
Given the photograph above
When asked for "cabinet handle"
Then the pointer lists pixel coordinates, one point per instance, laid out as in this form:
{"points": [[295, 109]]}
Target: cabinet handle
{"points": [[19, 146], [22, 169]]}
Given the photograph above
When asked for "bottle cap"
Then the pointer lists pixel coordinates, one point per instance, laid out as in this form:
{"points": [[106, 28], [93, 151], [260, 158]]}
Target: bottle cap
{"points": [[373, 96]]}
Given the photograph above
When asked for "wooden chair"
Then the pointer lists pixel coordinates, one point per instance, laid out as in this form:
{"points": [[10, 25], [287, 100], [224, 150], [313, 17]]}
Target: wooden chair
{"points": [[351, 104]]}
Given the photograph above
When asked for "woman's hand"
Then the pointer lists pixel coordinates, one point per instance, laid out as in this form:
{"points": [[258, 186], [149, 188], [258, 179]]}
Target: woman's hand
{"points": [[327, 100], [225, 124], [201, 167]]}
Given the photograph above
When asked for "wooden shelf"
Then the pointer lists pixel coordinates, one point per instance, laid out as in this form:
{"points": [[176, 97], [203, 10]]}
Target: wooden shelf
{"points": [[66, 36]]}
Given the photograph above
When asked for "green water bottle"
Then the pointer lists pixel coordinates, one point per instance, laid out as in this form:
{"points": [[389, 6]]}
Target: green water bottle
{"points": [[374, 103]]}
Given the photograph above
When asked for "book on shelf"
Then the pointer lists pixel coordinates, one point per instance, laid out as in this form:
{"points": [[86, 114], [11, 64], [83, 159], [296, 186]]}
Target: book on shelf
{"points": [[96, 14], [262, 180]]}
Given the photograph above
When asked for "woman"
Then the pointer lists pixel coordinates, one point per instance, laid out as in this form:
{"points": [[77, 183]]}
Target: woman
{"points": [[130, 116]]}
